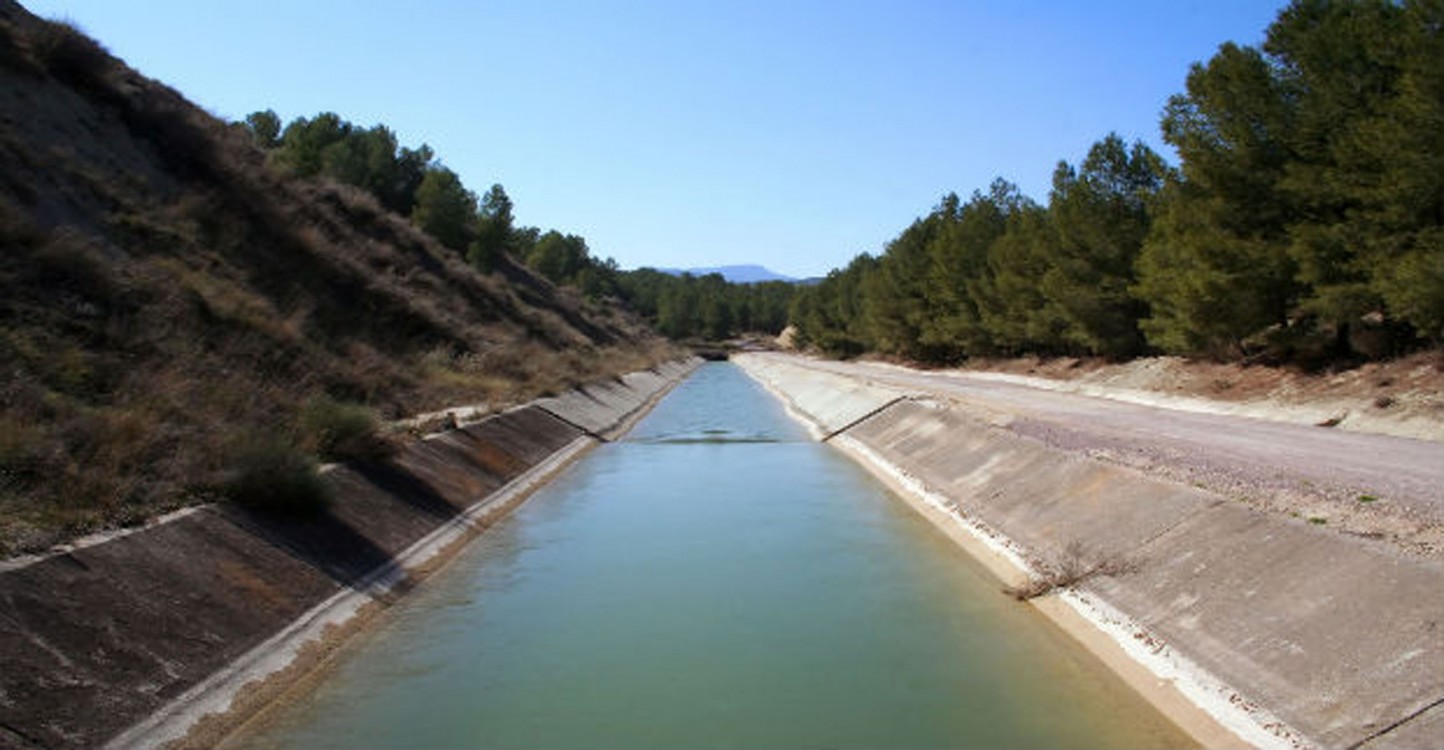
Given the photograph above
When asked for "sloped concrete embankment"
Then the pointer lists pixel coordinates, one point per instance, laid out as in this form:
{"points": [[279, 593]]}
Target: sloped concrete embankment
{"points": [[826, 403], [131, 640], [607, 409], [1284, 632]]}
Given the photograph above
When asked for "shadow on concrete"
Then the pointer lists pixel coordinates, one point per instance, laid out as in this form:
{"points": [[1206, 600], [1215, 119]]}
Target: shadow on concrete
{"points": [[407, 487], [583, 389], [319, 539], [380, 511]]}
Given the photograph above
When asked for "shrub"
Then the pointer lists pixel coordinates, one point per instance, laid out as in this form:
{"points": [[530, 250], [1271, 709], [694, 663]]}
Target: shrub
{"points": [[272, 476], [184, 139], [1075, 566], [23, 459], [337, 431], [71, 56], [74, 261]]}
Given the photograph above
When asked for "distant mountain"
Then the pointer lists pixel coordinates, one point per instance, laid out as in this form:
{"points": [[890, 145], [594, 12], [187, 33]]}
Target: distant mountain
{"points": [[743, 274]]}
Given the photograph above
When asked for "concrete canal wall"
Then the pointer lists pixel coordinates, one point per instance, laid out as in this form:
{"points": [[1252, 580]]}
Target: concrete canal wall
{"points": [[1284, 633], [607, 409], [132, 639]]}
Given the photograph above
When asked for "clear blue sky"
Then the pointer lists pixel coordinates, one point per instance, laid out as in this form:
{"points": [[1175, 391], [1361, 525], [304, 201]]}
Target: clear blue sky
{"points": [[699, 132]]}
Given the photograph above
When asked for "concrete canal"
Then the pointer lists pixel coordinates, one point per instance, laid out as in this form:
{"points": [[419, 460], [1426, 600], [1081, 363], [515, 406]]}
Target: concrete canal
{"points": [[715, 579]]}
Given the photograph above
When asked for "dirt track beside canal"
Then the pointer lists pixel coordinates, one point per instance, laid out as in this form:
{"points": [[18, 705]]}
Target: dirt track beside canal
{"points": [[1283, 577], [1377, 486]]}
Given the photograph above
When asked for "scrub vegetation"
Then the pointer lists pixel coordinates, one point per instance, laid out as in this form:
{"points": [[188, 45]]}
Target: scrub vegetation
{"points": [[1075, 566], [1304, 224], [482, 230], [185, 319]]}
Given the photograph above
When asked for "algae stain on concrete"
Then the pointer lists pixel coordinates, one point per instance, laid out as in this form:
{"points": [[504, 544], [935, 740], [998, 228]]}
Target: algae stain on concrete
{"points": [[716, 579]]}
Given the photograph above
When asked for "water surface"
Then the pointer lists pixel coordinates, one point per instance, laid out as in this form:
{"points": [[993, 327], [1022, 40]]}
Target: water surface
{"points": [[716, 580]]}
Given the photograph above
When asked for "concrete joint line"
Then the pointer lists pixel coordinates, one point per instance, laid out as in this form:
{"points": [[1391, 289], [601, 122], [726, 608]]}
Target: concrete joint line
{"points": [[572, 424], [216, 694], [1376, 735], [864, 418], [1145, 544]]}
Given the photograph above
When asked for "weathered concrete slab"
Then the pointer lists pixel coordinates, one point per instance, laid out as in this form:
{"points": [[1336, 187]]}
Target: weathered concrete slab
{"points": [[1336, 637], [1424, 730], [830, 402], [1040, 499], [94, 640], [604, 409]]}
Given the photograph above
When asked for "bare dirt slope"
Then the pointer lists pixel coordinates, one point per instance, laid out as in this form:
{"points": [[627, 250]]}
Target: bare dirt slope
{"points": [[167, 298], [1378, 486]]}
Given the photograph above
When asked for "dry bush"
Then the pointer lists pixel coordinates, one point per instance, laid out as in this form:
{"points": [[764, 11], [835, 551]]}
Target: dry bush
{"points": [[71, 261], [77, 468], [184, 138], [335, 431], [71, 56], [1075, 566], [26, 454], [272, 476], [450, 378]]}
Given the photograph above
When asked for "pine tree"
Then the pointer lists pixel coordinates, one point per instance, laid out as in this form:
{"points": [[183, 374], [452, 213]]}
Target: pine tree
{"points": [[959, 264], [1014, 312], [444, 208], [1215, 267], [1101, 216]]}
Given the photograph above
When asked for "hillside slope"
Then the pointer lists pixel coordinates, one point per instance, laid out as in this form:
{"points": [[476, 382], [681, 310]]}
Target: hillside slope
{"points": [[166, 298]]}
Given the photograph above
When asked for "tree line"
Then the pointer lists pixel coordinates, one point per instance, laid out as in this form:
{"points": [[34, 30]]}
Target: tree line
{"points": [[1305, 221], [707, 307], [416, 184]]}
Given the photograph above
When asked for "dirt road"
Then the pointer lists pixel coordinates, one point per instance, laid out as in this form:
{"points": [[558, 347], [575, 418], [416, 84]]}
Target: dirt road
{"points": [[1373, 485]]}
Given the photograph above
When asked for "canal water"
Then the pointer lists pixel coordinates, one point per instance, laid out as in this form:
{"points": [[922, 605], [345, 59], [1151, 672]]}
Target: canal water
{"points": [[715, 580]]}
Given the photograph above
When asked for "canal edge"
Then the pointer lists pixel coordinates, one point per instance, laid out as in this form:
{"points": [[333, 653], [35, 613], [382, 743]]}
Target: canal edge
{"points": [[208, 713], [213, 710], [1206, 708], [1182, 692]]}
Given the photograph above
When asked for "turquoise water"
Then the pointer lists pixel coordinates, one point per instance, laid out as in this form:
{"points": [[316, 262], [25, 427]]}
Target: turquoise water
{"points": [[715, 580]]}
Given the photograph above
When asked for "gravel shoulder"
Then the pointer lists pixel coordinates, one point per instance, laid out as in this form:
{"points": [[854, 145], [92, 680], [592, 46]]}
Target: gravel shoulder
{"points": [[1262, 452], [1403, 397]]}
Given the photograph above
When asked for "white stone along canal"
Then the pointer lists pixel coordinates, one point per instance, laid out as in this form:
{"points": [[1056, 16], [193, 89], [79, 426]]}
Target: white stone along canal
{"points": [[714, 579]]}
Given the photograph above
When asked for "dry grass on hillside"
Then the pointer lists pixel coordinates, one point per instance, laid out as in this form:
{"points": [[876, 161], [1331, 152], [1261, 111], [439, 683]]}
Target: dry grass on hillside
{"points": [[166, 299]]}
